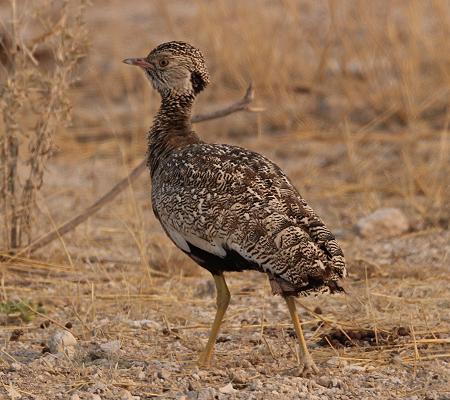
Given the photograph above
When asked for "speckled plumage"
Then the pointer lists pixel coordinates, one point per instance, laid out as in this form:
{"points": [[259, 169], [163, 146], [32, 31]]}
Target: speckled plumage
{"points": [[223, 199], [226, 207]]}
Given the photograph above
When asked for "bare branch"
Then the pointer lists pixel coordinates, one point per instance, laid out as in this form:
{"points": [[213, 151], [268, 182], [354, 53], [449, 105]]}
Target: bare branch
{"points": [[241, 105]]}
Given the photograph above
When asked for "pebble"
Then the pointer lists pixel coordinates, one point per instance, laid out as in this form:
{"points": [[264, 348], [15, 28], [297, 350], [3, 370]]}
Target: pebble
{"points": [[253, 386], [383, 223], [336, 362], [98, 387], [246, 364], [15, 366], [354, 368], [146, 324], [163, 374], [74, 397], [111, 347], [238, 376], [62, 342], [192, 395], [227, 389], [324, 381], [126, 395], [206, 394]]}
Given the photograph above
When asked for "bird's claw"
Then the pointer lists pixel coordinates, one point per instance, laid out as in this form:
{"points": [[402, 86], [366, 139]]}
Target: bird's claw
{"points": [[308, 368]]}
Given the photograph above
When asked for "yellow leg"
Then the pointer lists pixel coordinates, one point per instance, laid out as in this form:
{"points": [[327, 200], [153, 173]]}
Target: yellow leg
{"points": [[309, 367], [223, 299]]}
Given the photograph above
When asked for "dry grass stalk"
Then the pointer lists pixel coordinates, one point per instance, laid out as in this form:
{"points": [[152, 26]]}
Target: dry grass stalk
{"points": [[34, 104]]}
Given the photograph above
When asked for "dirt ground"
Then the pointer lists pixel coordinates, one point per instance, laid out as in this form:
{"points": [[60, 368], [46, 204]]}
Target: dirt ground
{"points": [[140, 310]]}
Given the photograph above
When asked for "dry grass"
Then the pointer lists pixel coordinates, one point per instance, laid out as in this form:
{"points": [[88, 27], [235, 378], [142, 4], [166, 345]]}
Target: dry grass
{"points": [[34, 103], [356, 97]]}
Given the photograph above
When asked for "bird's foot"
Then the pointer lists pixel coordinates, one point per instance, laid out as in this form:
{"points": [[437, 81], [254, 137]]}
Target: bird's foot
{"points": [[308, 368]]}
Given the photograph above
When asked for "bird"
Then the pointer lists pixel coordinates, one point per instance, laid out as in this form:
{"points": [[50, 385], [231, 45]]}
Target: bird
{"points": [[229, 208]]}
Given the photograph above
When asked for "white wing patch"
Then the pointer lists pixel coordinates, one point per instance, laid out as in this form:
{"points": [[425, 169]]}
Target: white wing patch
{"points": [[182, 240], [177, 239]]}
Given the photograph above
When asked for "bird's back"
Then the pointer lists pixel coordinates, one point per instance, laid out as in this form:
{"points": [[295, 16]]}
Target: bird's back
{"points": [[231, 209]]}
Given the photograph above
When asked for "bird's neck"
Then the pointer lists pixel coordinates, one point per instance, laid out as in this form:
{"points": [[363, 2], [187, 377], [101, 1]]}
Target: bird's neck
{"points": [[171, 128]]}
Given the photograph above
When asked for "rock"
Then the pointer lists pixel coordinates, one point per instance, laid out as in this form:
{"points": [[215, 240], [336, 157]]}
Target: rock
{"points": [[74, 397], [146, 324], [98, 387], [192, 395], [15, 366], [62, 342], [238, 376], [253, 386], [336, 362], [95, 397], [111, 347], [324, 381], [354, 368], [383, 223], [206, 394], [126, 395], [227, 389], [163, 374]]}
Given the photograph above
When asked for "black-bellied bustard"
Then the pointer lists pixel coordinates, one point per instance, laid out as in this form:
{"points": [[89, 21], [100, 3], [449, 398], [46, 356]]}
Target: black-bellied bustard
{"points": [[228, 208]]}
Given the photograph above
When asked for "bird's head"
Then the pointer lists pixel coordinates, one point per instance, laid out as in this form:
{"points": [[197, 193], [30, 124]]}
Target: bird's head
{"points": [[174, 67]]}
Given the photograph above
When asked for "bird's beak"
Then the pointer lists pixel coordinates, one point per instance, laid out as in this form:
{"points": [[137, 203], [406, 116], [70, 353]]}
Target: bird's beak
{"points": [[140, 62]]}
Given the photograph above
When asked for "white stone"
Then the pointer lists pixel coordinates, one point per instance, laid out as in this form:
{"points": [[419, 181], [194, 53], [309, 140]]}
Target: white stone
{"points": [[163, 374], [383, 223], [227, 389], [146, 324], [354, 368], [62, 342], [15, 366], [111, 347]]}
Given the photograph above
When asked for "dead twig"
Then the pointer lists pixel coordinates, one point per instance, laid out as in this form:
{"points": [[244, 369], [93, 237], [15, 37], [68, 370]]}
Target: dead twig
{"points": [[241, 105]]}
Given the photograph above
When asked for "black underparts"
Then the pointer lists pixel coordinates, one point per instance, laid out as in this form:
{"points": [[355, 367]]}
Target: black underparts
{"points": [[233, 261]]}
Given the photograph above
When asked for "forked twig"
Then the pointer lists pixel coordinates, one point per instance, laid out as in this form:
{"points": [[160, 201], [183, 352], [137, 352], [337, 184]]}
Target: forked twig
{"points": [[241, 105]]}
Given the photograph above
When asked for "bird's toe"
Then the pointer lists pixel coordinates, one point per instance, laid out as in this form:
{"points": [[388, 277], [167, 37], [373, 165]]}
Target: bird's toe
{"points": [[308, 369]]}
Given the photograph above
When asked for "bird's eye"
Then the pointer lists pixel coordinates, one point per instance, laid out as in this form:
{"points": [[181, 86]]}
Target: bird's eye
{"points": [[164, 62]]}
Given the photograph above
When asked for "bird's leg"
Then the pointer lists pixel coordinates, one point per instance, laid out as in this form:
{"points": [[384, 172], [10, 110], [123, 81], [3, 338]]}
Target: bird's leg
{"points": [[309, 367], [223, 299]]}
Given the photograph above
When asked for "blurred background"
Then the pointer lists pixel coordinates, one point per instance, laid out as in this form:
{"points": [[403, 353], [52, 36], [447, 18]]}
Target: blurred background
{"points": [[356, 110]]}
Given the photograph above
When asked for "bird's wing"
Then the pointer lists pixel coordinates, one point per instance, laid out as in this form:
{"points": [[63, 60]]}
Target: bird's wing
{"points": [[222, 198]]}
